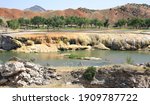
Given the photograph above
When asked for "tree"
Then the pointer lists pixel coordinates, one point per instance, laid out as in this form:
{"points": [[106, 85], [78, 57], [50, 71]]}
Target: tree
{"points": [[81, 21], [147, 22], [1, 22], [106, 23], [24, 22], [13, 24], [71, 20], [136, 23], [55, 22], [37, 20], [100, 23], [120, 23], [48, 22], [95, 22]]}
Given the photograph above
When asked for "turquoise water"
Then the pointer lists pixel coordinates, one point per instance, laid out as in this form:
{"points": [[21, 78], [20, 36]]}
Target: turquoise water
{"points": [[56, 59]]}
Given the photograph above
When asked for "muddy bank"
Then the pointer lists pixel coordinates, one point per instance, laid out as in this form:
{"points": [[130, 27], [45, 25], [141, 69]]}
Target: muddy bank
{"points": [[63, 41]]}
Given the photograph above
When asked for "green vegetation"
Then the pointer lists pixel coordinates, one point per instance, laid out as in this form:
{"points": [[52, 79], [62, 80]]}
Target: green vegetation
{"points": [[89, 73], [74, 56], [13, 24], [129, 60], [106, 23], [57, 22], [136, 23], [37, 21], [1, 22], [121, 23], [24, 22]]}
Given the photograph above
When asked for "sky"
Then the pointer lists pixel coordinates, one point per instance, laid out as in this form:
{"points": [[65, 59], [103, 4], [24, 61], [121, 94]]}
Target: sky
{"points": [[65, 4]]}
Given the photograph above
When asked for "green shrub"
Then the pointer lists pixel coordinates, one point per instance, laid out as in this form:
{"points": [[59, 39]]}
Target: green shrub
{"points": [[74, 56], [89, 73], [129, 60]]}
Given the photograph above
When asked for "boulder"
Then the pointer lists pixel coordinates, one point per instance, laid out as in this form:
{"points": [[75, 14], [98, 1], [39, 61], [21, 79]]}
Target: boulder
{"points": [[3, 81], [11, 68], [101, 46], [9, 43]]}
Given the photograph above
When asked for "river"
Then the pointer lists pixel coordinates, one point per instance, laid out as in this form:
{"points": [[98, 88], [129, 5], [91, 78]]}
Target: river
{"points": [[57, 59]]}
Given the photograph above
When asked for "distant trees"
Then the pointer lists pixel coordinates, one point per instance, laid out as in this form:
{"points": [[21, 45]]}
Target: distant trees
{"points": [[120, 23], [13, 24], [106, 23], [24, 22], [136, 23], [96, 23], [1, 22], [147, 23], [57, 22], [37, 21]]}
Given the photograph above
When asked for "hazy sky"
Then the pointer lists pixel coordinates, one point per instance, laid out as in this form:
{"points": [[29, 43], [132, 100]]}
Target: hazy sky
{"points": [[64, 4]]}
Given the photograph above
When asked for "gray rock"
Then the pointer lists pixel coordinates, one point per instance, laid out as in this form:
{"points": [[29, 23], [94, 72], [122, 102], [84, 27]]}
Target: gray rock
{"points": [[38, 81], [21, 83], [9, 43], [29, 65], [12, 68], [25, 76], [3, 81], [68, 83], [34, 73], [97, 82], [46, 82], [21, 73], [58, 77], [76, 81]]}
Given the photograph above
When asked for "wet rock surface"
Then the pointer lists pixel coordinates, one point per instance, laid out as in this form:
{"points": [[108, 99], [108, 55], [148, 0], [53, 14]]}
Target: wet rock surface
{"points": [[116, 77], [18, 73]]}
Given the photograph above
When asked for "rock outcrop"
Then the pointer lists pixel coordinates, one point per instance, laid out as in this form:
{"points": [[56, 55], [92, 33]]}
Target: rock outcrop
{"points": [[19, 73], [9, 43], [117, 76]]}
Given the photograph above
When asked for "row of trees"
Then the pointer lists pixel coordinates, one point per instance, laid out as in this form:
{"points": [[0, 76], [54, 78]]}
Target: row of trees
{"points": [[136, 23], [56, 22], [73, 21]]}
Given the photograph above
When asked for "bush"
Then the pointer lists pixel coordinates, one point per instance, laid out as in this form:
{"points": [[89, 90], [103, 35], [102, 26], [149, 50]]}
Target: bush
{"points": [[129, 60], [89, 73], [13, 24]]}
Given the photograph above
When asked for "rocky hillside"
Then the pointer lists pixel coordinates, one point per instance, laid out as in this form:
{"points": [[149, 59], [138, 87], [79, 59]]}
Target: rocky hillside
{"points": [[15, 13], [113, 14], [35, 8]]}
